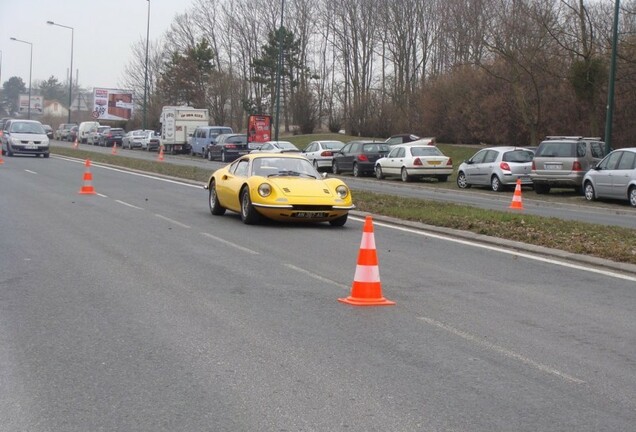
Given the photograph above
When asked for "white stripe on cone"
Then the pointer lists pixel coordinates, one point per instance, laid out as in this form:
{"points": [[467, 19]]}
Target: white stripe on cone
{"points": [[367, 273], [368, 241]]}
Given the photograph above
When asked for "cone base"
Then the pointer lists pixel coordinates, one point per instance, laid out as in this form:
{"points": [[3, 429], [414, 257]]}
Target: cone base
{"points": [[87, 192], [355, 301], [516, 207]]}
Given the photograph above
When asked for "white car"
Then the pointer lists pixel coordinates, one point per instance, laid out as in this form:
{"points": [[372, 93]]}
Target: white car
{"points": [[496, 167], [320, 153], [409, 161], [276, 147]]}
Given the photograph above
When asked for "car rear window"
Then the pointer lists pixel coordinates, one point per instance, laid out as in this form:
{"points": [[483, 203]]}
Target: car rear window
{"points": [[238, 139], [559, 149], [375, 148], [518, 156], [426, 151]]}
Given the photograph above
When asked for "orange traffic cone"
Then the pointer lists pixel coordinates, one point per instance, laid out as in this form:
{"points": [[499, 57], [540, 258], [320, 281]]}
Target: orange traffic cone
{"points": [[1, 160], [516, 198], [114, 151], [366, 289], [87, 187], [160, 155]]}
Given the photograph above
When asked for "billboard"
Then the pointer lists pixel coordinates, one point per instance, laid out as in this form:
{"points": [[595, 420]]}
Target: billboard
{"points": [[37, 104], [112, 104], [259, 128]]}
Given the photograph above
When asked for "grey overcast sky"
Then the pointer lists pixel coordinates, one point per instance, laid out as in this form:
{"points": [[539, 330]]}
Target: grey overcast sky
{"points": [[104, 31]]}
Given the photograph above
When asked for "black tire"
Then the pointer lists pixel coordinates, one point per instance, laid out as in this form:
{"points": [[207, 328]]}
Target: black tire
{"points": [[210, 158], [46, 155], [404, 175], [631, 195], [356, 170], [215, 207], [338, 222], [378, 172], [315, 164], [590, 193], [462, 183], [442, 178], [495, 184], [334, 168], [223, 156], [541, 188], [9, 151], [249, 215]]}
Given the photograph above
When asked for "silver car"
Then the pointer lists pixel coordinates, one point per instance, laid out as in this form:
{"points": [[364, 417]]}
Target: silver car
{"points": [[496, 167], [613, 177], [320, 153]]}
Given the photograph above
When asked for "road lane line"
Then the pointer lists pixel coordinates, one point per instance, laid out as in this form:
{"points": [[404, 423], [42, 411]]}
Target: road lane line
{"points": [[505, 251], [172, 221], [101, 195], [229, 243], [29, 171], [316, 276], [500, 350], [129, 205]]}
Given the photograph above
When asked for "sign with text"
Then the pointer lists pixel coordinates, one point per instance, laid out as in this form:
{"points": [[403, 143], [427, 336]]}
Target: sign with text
{"points": [[112, 104], [259, 128], [37, 104]]}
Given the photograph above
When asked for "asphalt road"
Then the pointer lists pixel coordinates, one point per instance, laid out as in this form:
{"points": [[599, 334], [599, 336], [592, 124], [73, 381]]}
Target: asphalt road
{"points": [[137, 310], [563, 206]]}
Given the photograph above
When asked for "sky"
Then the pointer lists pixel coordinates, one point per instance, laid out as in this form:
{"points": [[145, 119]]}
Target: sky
{"points": [[103, 33]]}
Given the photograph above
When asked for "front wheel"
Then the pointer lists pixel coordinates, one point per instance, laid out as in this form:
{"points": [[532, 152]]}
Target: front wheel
{"points": [[632, 196], [462, 183], [378, 172], [340, 221], [590, 194], [249, 215], [215, 207], [334, 168]]}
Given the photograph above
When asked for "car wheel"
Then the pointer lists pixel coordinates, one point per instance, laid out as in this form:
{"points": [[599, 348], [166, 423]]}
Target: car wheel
{"points": [[632, 196], [223, 156], [46, 155], [462, 183], [495, 184], [215, 207], [9, 151], [378, 172], [541, 188], [590, 194], [356, 170], [405, 175], [315, 164], [249, 216], [334, 168], [210, 158], [442, 178], [340, 221]]}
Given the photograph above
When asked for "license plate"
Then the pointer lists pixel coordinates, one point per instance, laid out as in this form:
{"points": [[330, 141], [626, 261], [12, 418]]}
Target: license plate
{"points": [[553, 166], [434, 162], [243, 152], [310, 215], [31, 147]]}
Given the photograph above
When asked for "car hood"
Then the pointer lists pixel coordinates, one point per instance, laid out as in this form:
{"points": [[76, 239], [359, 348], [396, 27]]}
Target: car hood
{"points": [[301, 187], [29, 136]]}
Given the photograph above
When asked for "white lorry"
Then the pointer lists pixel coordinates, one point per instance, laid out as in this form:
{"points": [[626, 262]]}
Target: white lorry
{"points": [[177, 126]]}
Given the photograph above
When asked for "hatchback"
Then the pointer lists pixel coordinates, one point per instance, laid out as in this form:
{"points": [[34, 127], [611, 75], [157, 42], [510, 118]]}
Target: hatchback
{"points": [[613, 177], [24, 137], [562, 161], [359, 157], [496, 167]]}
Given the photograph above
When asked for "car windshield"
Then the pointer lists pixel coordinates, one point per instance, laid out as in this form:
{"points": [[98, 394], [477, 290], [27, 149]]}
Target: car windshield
{"points": [[520, 156], [26, 128], [269, 167], [426, 151]]}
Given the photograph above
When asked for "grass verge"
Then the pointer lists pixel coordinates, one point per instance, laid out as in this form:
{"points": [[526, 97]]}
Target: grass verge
{"points": [[613, 243]]}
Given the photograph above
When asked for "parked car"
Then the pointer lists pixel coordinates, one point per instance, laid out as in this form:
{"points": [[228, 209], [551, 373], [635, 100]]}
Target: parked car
{"points": [[496, 167], [111, 137], [95, 133], [409, 161], [320, 153], [84, 130], [562, 161], [401, 139], [283, 187], [24, 137], [613, 177], [276, 147], [49, 131], [227, 147], [150, 141], [72, 135], [203, 136], [63, 130], [358, 157]]}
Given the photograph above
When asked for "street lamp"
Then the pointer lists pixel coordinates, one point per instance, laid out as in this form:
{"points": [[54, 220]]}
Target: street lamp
{"points": [[609, 115], [70, 72], [279, 69], [30, 70], [143, 126]]}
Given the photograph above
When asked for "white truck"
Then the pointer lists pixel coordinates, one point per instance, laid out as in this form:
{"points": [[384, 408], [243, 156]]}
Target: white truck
{"points": [[177, 125]]}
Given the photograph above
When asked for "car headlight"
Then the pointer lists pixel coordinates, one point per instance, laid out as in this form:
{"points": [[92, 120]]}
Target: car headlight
{"points": [[342, 191], [15, 141], [264, 189]]}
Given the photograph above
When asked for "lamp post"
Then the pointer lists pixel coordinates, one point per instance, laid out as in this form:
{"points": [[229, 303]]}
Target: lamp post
{"points": [[70, 71], [143, 126], [279, 68], [609, 117], [30, 70]]}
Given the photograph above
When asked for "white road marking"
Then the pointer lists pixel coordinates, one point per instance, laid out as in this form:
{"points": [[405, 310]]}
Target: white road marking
{"points": [[500, 350], [506, 251], [229, 243], [101, 195], [129, 205], [29, 171], [172, 221], [316, 276]]}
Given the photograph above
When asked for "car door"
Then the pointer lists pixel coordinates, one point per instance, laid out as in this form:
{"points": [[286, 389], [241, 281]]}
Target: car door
{"points": [[394, 161], [310, 151], [350, 156], [623, 174], [229, 185], [473, 165], [605, 173]]}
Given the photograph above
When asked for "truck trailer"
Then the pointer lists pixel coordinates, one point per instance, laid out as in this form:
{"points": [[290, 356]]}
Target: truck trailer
{"points": [[177, 126]]}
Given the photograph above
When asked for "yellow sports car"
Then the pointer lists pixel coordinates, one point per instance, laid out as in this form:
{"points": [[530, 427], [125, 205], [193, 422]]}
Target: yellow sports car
{"points": [[283, 187]]}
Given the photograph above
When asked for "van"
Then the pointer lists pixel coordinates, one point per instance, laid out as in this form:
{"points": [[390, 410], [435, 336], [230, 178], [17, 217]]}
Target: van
{"points": [[84, 129], [205, 135]]}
